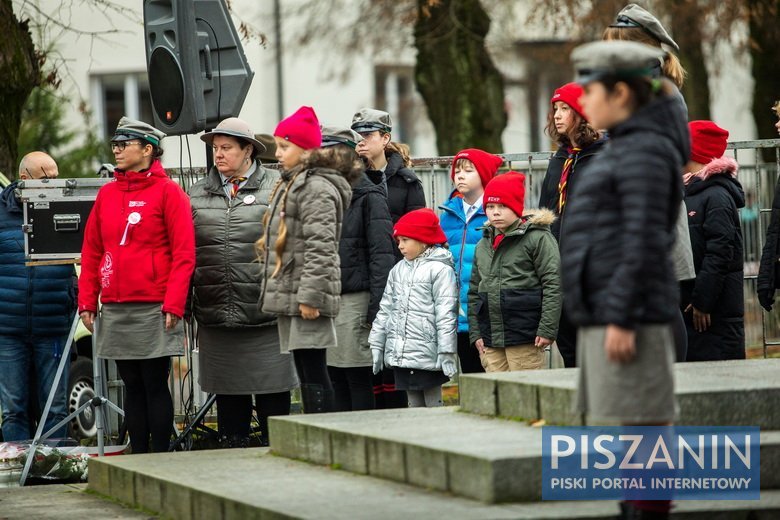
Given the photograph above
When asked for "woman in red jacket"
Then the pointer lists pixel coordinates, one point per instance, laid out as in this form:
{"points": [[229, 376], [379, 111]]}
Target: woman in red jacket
{"points": [[137, 257]]}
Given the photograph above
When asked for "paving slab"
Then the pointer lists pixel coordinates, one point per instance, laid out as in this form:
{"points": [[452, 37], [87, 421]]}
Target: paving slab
{"points": [[740, 392], [254, 484], [482, 458], [58, 501]]}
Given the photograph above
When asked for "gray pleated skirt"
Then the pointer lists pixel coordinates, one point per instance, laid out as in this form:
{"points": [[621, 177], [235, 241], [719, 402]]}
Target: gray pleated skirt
{"points": [[243, 361], [351, 333], [136, 331], [297, 333], [638, 392]]}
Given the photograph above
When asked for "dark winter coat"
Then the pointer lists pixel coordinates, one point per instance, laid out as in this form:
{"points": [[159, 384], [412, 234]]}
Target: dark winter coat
{"points": [[549, 195], [226, 282], [713, 200], [769, 270], [404, 190], [316, 198], [619, 227], [515, 291], [37, 300], [367, 248]]}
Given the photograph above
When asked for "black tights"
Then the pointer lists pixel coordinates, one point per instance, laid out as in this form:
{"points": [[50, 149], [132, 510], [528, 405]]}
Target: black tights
{"points": [[234, 412], [312, 367], [148, 403], [353, 388]]}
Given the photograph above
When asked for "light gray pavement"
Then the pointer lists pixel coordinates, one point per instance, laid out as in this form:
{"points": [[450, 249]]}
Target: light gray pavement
{"points": [[61, 501]]}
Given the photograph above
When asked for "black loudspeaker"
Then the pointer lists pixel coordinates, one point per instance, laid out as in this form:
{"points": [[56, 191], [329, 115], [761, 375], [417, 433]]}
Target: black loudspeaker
{"points": [[198, 73]]}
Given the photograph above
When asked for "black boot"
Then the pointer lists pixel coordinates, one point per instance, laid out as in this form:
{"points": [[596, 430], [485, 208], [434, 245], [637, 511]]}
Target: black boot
{"points": [[264, 442], [629, 512], [233, 441], [316, 399]]}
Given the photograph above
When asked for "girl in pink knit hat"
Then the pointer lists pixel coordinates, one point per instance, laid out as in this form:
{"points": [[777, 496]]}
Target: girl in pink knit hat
{"points": [[299, 248]]}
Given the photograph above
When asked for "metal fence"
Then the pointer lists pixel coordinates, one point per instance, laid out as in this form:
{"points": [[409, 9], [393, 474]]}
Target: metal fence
{"points": [[757, 175]]}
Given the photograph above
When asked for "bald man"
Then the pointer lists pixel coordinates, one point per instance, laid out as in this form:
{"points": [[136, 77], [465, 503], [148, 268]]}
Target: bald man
{"points": [[38, 306]]}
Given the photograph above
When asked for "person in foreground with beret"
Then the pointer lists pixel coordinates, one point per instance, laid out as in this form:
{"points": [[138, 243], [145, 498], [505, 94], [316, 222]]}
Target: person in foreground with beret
{"points": [[462, 218], [577, 143], [619, 283], [415, 330], [238, 346], [769, 268], [299, 249], [366, 253], [714, 301], [137, 258], [515, 289], [635, 24]]}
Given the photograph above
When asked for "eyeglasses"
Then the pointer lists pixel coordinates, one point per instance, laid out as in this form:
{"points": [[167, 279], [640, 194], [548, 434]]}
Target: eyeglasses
{"points": [[121, 145], [45, 175]]}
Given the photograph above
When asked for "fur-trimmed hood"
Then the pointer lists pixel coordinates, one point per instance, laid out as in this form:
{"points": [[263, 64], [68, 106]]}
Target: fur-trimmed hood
{"points": [[539, 217], [532, 219], [720, 172], [347, 164], [723, 166]]}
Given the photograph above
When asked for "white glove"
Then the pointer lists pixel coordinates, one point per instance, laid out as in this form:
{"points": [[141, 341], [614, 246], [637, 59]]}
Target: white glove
{"points": [[376, 359], [448, 365]]}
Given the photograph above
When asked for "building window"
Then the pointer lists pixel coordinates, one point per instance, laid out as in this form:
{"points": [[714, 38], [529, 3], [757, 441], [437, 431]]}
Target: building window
{"points": [[395, 93], [117, 95]]}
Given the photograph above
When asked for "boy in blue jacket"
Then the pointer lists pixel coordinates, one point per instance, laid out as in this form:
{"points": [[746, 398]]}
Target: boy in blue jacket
{"points": [[462, 217]]}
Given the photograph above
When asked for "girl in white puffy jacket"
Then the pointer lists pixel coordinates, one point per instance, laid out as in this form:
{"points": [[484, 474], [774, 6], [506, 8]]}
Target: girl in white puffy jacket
{"points": [[415, 330]]}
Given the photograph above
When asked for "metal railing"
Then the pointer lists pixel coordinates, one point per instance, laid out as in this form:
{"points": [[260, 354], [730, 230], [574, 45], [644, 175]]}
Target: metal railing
{"points": [[758, 178]]}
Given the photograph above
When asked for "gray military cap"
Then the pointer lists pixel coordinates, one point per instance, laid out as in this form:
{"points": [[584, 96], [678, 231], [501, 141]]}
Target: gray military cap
{"points": [[622, 59], [634, 16], [370, 119], [333, 135], [129, 129]]}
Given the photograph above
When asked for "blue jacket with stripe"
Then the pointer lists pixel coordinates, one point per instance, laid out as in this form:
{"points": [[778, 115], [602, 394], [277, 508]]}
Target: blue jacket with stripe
{"points": [[462, 238]]}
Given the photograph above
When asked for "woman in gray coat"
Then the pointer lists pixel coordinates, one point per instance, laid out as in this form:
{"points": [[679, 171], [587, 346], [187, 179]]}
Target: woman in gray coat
{"points": [[238, 345]]}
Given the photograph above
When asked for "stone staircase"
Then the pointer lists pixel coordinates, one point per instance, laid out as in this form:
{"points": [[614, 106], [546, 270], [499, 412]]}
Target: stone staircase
{"points": [[482, 460]]}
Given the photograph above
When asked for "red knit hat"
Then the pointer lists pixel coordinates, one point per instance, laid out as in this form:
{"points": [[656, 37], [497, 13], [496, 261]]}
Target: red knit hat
{"points": [[301, 128], [570, 94], [708, 141], [507, 189], [420, 224], [486, 164]]}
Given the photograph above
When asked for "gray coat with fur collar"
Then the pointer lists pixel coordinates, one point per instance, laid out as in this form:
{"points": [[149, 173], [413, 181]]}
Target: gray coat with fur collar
{"points": [[311, 198]]}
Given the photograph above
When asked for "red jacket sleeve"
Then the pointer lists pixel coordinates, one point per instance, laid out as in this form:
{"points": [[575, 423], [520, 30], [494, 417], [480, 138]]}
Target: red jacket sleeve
{"points": [[91, 254], [181, 237]]}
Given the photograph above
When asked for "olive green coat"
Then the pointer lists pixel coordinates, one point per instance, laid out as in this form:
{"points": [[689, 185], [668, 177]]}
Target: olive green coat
{"points": [[515, 290]]}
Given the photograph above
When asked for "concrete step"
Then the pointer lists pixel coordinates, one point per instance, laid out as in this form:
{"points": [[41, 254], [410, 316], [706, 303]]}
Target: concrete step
{"points": [[481, 458], [743, 393], [252, 484]]}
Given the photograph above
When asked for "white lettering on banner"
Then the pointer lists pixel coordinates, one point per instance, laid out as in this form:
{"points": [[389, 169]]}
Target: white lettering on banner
{"points": [[635, 441], [557, 452], [137, 203], [599, 447], [736, 449], [660, 445]]}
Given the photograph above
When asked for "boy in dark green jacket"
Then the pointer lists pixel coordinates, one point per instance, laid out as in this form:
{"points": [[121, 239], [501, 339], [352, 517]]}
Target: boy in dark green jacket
{"points": [[515, 291]]}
